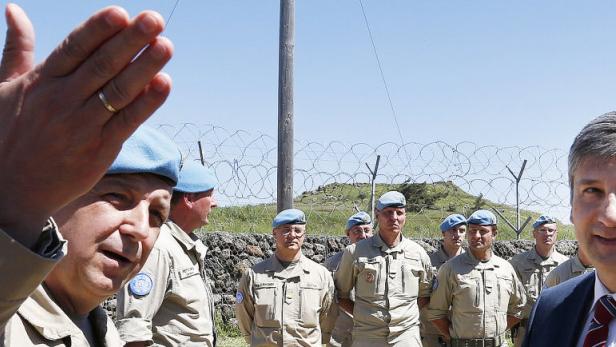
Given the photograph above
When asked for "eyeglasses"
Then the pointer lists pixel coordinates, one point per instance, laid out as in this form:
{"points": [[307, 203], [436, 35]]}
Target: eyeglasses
{"points": [[286, 232], [361, 231]]}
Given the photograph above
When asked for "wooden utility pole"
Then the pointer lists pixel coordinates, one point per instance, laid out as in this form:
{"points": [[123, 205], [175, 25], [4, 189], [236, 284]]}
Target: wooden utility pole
{"points": [[285, 105]]}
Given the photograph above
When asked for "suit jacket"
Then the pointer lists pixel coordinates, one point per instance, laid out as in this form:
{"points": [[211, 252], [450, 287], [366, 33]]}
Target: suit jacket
{"points": [[558, 317]]}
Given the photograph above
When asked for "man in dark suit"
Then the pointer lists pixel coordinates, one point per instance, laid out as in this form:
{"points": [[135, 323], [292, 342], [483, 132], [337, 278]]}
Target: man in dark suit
{"points": [[563, 315]]}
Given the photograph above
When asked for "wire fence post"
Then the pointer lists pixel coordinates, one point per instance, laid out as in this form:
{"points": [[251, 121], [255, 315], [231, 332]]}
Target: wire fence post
{"points": [[373, 184], [517, 178]]}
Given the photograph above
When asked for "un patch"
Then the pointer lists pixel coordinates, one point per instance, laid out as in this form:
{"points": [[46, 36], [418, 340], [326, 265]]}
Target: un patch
{"points": [[239, 297], [141, 284]]}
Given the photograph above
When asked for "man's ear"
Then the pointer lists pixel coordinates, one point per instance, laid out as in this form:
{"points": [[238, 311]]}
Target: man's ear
{"points": [[188, 199]]}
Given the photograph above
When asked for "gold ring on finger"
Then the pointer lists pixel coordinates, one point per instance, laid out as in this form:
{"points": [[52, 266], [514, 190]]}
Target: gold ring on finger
{"points": [[106, 103]]}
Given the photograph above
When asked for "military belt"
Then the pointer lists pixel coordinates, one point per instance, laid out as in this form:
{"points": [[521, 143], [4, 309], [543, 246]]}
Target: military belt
{"points": [[488, 342]]}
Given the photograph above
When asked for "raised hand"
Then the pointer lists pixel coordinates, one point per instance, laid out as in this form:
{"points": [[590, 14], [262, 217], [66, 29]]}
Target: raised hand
{"points": [[58, 133]]}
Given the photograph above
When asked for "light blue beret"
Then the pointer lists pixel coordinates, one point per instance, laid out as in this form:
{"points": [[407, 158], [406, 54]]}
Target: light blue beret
{"points": [[391, 199], [451, 221], [482, 217], [544, 219], [289, 216], [148, 151], [195, 178], [360, 218]]}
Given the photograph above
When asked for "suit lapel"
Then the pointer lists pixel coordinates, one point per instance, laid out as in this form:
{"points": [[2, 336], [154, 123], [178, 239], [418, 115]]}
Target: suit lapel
{"points": [[578, 302]]}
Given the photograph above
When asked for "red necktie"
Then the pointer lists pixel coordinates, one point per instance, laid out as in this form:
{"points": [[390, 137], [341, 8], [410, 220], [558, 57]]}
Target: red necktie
{"points": [[605, 311]]}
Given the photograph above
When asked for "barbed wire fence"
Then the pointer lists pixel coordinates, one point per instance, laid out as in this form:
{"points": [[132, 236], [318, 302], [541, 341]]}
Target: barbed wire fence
{"points": [[245, 165]]}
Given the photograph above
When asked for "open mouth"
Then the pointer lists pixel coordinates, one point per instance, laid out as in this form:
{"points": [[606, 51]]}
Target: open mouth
{"points": [[116, 257]]}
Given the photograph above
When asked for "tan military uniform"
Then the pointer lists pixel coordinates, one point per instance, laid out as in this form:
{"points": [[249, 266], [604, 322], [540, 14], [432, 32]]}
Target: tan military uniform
{"points": [[28, 315], [571, 268], [341, 335], [292, 306], [429, 333], [480, 296], [387, 283], [179, 308], [532, 270]]}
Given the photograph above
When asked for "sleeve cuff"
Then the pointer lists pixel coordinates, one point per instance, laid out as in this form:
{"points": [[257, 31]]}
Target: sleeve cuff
{"points": [[436, 314], [50, 243]]}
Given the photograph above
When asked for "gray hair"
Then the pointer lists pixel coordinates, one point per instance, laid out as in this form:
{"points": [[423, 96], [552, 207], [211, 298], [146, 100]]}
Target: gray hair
{"points": [[597, 139]]}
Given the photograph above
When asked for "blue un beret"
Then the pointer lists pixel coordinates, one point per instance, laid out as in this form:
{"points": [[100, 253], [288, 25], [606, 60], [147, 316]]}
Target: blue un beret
{"points": [[451, 221], [289, 216], [360, 218], [148, 151], [482, 217], [391, 199], [195, 178], [544, 219]]}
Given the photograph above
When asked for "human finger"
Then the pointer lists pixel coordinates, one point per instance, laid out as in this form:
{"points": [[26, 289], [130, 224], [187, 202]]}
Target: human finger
{"points": [[85, 39], [18, 53], [125, 87], [124, 123], [112, 57]]}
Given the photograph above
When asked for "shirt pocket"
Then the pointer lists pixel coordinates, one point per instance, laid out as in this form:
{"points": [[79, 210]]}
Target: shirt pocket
{"points": [[310, 294], [266, 305], [368, 278], [505, 289], [468, 294], [532, 284], [411, 275], [189, 284]]}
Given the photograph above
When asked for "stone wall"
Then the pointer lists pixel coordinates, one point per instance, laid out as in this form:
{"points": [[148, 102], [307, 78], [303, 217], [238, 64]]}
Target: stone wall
{"points": [[230, 255]]}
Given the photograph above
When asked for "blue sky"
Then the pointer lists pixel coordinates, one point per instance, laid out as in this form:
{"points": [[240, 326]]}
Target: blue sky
{"points": [[492, 72]]}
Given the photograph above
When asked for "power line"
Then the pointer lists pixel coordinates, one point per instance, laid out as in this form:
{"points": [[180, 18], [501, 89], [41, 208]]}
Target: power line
{"points": [[171, 14], [378, 61]]}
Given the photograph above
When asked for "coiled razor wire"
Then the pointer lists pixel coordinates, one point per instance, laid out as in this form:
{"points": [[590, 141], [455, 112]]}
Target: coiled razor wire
{"points": [[245, 165]]}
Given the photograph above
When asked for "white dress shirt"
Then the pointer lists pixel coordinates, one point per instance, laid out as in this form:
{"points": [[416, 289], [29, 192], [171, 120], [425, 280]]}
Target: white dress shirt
{"points": [[600, 291]]}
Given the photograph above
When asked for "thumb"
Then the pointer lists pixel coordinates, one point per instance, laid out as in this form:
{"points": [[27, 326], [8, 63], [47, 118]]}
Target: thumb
{"points": [[18, 53]]}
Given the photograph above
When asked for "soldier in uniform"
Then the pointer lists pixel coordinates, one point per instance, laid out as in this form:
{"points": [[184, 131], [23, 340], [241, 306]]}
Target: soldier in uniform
{"points": [[391, 276], [358, 227], [109, 233], [575, 266], [63, 124], [287, 299], [453, 228], [169, 303], [533, 267], [480, 289]]}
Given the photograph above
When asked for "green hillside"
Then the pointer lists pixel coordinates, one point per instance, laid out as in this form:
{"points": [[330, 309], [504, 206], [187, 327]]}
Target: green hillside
{"points": [[328, 208]]}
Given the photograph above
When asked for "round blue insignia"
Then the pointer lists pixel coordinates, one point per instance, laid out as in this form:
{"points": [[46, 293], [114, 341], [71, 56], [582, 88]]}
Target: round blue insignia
{"points": [[141, 284], [239, 297], [435, 284]]}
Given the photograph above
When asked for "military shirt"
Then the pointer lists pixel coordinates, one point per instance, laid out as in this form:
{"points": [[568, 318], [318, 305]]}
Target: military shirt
{"points": [[387, 283], [571, 268], [341, 335], [533, 270], [480, 296], [437, 258], [177, 307], [28, 315], [286, 306]]}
